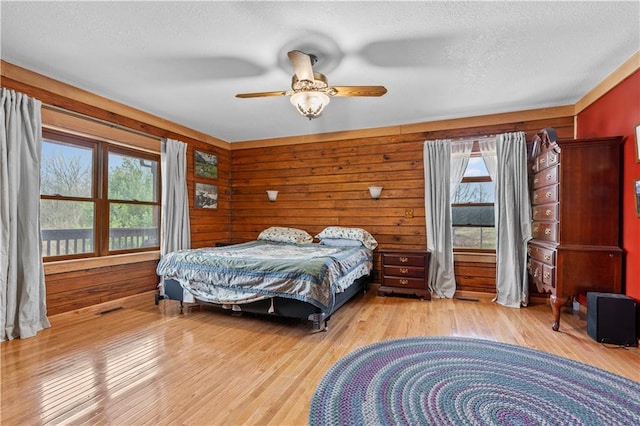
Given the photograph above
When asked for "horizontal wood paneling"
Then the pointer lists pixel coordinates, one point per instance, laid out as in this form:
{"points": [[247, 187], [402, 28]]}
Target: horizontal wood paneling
{"points": [[73, 290], [86, 286], [326, 183], [322, 180]]}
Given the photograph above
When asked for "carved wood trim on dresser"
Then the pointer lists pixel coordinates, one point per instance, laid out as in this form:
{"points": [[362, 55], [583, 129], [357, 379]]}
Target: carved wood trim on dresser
{"points": [[575, 198]]}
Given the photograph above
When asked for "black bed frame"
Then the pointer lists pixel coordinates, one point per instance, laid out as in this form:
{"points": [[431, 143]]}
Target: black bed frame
{"points": [[282, 306]]}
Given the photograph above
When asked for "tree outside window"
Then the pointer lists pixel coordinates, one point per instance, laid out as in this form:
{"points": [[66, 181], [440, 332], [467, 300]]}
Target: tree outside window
{"points": [[96, 198]]}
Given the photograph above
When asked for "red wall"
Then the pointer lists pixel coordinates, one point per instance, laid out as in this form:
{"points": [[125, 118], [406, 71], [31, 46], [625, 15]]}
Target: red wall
{"points": [[617, 113]]}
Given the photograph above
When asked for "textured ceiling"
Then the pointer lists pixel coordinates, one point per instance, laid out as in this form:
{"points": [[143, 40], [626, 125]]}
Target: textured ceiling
{"points": [[185, 61]]}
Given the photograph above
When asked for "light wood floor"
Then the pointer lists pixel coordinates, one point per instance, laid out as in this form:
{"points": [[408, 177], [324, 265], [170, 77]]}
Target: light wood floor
{"points": [[147, 364]]}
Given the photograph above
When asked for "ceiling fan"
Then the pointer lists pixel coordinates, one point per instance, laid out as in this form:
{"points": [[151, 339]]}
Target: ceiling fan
{"points": [[310, 91]]}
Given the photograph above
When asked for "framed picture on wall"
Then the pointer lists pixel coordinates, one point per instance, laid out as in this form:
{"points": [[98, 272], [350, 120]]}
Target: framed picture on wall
{"points": [[638, 143], [637, 189], [206, 196], [205, 165]]}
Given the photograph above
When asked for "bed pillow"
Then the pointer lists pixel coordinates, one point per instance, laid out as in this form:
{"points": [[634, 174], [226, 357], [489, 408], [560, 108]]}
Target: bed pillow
{"points": [[281, 234], [357, 234], [343, 242]]}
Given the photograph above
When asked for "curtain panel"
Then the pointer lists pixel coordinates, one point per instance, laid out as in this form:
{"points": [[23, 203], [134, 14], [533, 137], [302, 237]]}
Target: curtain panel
{"points": [[437, 204], [513, 219], [23, 311], [175, 231]]}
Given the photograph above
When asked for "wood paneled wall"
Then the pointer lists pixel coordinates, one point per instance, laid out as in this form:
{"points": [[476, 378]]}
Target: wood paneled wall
{"points": [[77, 284], [326, 183], [319, 183]]}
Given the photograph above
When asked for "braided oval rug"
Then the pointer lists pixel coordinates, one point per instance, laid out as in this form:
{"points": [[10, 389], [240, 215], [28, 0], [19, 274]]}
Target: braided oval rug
{"points": [[464, 381]]}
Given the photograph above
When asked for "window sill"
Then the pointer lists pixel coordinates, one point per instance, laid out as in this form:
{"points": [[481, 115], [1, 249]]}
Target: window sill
{"points": [[98, 262]]}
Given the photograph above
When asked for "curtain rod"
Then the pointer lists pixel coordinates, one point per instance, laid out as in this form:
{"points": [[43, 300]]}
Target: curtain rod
{"points": [[475, 139], [100, 121]]}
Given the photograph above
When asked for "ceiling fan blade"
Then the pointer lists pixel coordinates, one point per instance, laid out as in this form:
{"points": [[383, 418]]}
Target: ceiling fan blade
{"points": [[301, 65], [260, 94], [360, 90]]}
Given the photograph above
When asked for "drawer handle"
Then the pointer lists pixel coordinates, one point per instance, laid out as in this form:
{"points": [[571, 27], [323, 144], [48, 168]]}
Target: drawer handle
{"points": [[547, 257], [536, 180], [404, 270], [404, 259], [547, 231], [553, 159], [404, 282], [547, 275], [535, 229], [549, 176], [548, 194], [542, 160], [529, 250], [547, 212]]}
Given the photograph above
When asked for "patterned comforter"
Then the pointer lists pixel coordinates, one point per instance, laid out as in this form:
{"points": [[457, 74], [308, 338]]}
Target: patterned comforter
{"points": [[250, 271]]}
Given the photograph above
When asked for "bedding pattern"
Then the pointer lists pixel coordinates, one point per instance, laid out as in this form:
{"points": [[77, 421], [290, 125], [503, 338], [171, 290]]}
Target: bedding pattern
{"points": [[247, 272]]}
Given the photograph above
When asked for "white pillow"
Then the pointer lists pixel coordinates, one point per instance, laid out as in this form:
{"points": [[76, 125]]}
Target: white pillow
{"points": [[281, 234], [357, 234], [340, 242]]}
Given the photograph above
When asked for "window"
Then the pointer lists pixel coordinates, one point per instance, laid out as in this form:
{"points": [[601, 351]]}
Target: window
{"points": [[472, 208], [97, 198]]}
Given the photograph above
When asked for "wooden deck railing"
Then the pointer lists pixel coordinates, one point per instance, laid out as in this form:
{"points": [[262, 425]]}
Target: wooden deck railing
{"points": [[62, 242]]}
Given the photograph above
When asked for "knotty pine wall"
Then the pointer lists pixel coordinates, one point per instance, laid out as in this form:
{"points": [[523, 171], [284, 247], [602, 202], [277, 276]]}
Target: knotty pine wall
{"points": [[326, 183]]}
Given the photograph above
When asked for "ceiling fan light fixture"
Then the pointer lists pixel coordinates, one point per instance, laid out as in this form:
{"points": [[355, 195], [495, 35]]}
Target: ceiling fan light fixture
{"points": [[310, 104]]}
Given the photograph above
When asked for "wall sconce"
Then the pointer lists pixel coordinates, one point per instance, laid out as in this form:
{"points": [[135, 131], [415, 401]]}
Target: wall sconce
{"points": [[272, 195], [375, 192]]}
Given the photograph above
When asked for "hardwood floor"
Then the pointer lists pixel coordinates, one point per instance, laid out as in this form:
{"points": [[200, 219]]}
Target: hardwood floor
{"points": [[131, 362]]}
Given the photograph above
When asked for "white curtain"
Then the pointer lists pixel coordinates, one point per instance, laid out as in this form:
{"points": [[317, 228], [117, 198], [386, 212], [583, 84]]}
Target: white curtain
{"points": [[175, 232], [438, 180], [506, 161], [23, 311], [460, 153]]}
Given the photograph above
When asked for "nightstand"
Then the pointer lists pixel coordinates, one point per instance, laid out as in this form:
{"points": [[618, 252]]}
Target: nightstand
{"points": [[405, 272]]}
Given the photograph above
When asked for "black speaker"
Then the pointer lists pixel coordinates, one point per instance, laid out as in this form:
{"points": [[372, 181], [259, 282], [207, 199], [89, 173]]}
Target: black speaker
{"points": [[611, 318]]}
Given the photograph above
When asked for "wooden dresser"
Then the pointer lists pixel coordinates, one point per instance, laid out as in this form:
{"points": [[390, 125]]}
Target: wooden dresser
{"points": [[575, 198], [405, 272]]}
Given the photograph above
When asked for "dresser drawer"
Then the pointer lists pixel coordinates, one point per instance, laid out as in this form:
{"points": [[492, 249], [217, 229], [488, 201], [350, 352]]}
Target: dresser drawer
{"points": [[545, 195], [535, 269], [546, 177], [545, 231], [542, 254], [545, 160], [545, 212], [548, 276], [403, 259], [404, 271]]}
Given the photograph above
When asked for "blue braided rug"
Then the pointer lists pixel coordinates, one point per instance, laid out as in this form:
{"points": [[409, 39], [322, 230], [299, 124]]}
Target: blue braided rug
{"points": [[464, 381]]}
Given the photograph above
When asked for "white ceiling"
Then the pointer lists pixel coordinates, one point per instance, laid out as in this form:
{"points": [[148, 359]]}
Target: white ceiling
{"points": [[185, 61]]}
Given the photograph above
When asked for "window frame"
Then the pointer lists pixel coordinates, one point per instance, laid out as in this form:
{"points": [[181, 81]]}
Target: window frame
{"points": [[99, 196], [475, 152]]}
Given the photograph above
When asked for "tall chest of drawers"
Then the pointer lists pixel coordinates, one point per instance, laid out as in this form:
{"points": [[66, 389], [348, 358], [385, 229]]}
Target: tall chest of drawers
{"points": [[575, 199]]}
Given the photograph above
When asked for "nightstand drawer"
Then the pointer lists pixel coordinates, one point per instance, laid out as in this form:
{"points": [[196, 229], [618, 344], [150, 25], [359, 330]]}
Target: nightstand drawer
{"points": [[402, 259], [404, 282], [404, 271]]}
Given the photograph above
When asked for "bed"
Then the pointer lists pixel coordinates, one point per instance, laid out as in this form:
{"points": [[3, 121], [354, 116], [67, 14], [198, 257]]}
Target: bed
{"points": [[282, 273]]}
